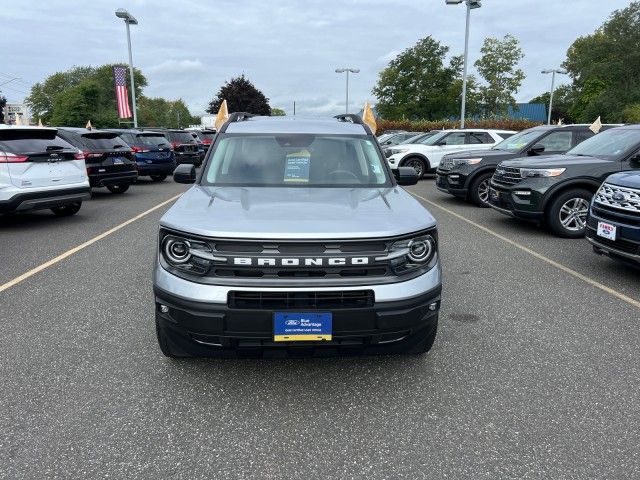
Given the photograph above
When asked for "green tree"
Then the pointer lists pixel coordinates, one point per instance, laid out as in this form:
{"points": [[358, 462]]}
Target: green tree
{"points": [[563, 100], [158, 112], [43, 95], [241, 96], [417, 84], [277, 112], [605, 67], [498, 66]]}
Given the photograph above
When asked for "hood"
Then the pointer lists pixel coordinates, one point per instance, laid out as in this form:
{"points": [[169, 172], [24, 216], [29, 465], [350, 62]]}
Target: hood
{"points": [[297, 213], [491, 155], [553, 161], [625, 179]]}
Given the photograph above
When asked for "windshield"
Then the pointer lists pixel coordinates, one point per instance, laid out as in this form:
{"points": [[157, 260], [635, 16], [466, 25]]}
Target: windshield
{"points": [[296, 160], [517, 142], [152, 140], [180, 137], [30, 141], [610, 144], [103, 141]]}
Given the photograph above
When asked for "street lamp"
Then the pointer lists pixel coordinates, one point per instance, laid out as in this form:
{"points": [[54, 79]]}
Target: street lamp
{"points": [[553, 72], [347, 71], [130, 20], [471, 5]]}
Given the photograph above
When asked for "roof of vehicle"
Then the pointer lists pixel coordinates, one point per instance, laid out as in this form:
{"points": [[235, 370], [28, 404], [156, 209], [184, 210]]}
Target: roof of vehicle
{"points": [[495, 130], [580, 126], [81, 131], [25, 127], [133, 131], [295, 125]]}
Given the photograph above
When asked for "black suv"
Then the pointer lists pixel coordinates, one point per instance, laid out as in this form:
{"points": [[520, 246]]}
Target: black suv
{"points": [[613, 225], [466, 174], [185, 147], [557, 189], [110, 161]]}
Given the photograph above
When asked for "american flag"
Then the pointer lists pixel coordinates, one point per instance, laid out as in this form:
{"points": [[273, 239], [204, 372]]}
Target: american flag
{"points": [[122, 93]]}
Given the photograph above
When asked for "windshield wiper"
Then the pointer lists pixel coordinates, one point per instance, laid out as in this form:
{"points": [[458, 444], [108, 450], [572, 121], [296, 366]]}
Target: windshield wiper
{"points": [[118, 146], [54, 147]]}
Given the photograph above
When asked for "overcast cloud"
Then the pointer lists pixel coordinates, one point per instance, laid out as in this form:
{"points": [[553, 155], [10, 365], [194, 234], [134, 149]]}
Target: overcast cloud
{"points": [[289, 49]]}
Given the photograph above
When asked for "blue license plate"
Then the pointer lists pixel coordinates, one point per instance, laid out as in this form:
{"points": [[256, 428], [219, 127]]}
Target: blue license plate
{"points": [[302, 327], [118, 161]]}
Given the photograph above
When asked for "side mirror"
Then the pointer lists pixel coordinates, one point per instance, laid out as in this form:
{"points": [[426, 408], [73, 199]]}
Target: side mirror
{"points": [[185, 174], [537, 149], [406, 176]]}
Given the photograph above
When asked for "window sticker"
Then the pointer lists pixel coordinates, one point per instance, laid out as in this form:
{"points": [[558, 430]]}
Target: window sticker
{"points": [[296, 169]]}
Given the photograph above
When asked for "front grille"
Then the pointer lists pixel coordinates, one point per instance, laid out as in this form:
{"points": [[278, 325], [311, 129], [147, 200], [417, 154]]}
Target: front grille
{"points": [[301, 300], [614, 215], [622, 245], [446, 164], [622, 198], [507, 175]]}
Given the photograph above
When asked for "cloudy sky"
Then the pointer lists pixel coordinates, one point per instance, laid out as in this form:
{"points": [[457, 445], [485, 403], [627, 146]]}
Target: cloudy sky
{"points": [[288, 48]]}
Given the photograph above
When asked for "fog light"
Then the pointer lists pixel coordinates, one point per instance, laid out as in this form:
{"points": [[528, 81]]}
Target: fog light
{"points": [[523, 193], [454, 177], [392, 161], [433, 306], [165, 309]]}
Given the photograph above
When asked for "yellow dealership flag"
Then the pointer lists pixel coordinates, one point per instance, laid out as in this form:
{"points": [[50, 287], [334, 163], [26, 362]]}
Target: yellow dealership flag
{"points": [[222, 116], [596, 126], [369, 118], [88, 125]]}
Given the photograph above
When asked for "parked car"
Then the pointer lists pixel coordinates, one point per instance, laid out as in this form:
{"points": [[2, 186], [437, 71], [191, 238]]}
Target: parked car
{"points": [[467, 174], [40, 170], [415, 139], [201, 148], [184, 146], [153, 152], [557, 189], [296, 238], [110, 161], [613, 224], [425, 155], [398, 138], [207, 137], [388, 134]]}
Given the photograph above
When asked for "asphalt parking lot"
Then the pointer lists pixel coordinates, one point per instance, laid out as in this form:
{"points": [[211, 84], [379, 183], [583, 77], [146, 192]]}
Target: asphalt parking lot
{"points": [[534, 373]]}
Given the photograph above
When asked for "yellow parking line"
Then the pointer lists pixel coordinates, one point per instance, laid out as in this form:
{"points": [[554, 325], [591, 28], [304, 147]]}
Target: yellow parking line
{"points": [[84, 245], [559, 266]]}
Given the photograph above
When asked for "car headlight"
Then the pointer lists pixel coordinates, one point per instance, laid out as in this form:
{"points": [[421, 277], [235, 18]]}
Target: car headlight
{"points": [[412, 253], [541, 172], [398, 150], [186, 254], [466, 161]]}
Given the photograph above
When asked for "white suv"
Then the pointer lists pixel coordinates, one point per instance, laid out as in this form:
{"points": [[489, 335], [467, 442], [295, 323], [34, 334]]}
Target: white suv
{"points": [[425, 156], [39, 170]]}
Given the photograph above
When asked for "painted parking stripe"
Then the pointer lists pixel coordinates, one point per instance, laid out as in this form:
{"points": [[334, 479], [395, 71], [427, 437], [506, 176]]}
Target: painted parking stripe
{"points": [[539, 256], [82, 246]]}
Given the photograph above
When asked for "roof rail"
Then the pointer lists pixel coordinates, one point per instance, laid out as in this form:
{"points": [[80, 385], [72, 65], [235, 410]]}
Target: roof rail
{"points": [[236, 117], [353, 118]]}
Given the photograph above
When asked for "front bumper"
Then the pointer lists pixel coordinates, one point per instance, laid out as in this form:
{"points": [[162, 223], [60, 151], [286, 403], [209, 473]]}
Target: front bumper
{"points": [[44, 199], [454, 185], [626, 246], [511, 202], [202, 316]]}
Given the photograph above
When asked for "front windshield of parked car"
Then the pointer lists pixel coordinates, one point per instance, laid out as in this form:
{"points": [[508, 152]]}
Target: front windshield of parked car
{"points": [[610, 144], [517, 142], [296, 160]]}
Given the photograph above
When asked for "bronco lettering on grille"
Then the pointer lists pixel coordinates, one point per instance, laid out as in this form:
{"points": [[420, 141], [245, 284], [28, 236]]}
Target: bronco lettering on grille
{"points": [[296, 262]]}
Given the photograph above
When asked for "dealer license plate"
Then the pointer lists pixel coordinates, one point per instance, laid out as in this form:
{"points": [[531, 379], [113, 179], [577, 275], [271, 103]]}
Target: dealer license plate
{"points": [[606, 230], [302, 327]]}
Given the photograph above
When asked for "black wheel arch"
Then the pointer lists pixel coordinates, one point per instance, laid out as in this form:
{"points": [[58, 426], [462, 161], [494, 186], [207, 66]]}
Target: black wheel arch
{"points": [[583, 183], [476, 173], [415, 155]]}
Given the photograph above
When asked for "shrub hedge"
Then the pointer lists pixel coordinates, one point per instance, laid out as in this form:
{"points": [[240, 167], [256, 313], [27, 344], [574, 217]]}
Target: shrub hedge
{"points": [[425, 125]]}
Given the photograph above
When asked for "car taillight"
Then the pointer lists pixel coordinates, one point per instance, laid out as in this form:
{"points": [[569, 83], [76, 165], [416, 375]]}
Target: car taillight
{"points": [[91, 154], [8, 157], [140, 149], [78, 156], [175, 145]]}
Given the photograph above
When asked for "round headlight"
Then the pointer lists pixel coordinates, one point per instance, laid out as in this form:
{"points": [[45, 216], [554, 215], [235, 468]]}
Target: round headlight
{"points": [[177, 250], [420, 250]]}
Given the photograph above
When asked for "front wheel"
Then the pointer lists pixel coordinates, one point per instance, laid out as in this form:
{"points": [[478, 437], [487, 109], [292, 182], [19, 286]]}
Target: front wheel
{"points": [[567, 215], [123, 187], [479, 190], [418, 165], [158, 178], [67, 210]]}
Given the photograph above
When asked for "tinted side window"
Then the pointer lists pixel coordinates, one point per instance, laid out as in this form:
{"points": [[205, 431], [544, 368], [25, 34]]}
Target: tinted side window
{"points": [[581, 135], [456, 138], [556, 142], [480, 137]]}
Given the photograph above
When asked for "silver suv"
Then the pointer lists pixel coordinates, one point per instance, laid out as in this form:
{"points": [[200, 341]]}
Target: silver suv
{"points": [[296, 239], [38, 170]]}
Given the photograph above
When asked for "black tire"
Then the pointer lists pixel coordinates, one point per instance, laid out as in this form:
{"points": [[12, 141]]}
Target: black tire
{"points": [[158, 178], [567, 213], [479, 190], [423, 340], [121, 188], [418, 164], [67, 210]]}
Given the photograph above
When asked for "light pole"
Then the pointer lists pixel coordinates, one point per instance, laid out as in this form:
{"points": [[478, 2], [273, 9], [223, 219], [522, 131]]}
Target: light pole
{"points": [[553, 72], [130, 20], [471, 4], [347, 70]]}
